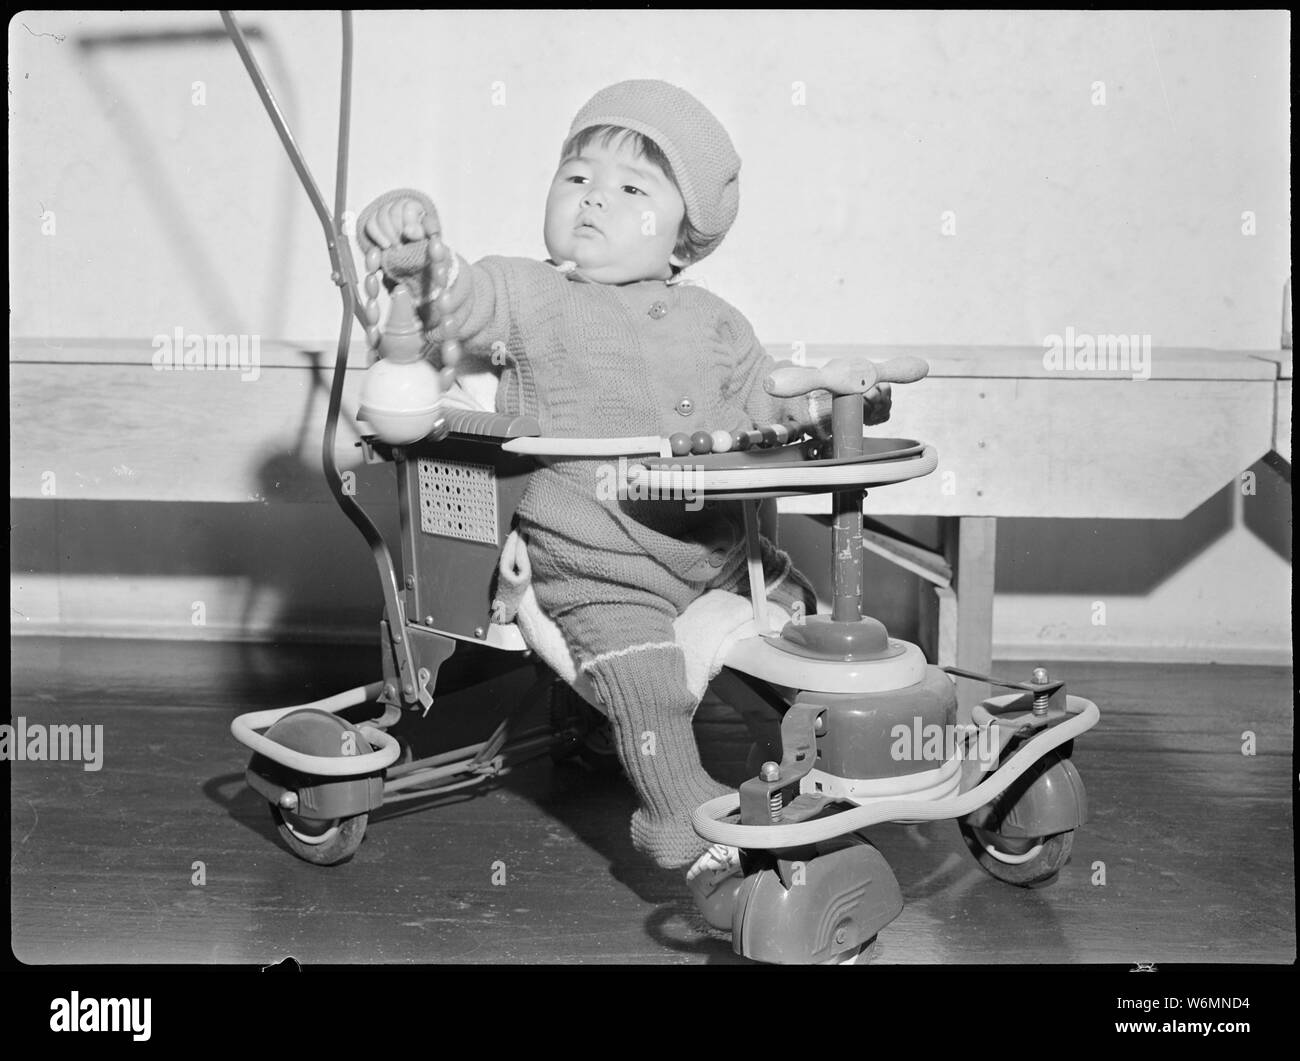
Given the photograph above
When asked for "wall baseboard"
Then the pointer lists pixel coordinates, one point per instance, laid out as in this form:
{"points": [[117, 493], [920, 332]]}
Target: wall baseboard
{"points": [[1079, 652], [1233, 655], [316, 634]]}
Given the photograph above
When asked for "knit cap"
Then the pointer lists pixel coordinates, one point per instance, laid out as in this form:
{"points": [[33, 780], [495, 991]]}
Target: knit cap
{"points": [[704, 161]]}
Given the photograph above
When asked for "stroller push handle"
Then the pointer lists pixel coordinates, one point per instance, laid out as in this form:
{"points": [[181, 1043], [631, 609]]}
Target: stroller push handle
{"points": [[844, 376]]}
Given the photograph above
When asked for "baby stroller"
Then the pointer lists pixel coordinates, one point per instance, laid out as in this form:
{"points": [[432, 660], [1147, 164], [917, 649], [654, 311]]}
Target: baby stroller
{"points": [[851, 726]]}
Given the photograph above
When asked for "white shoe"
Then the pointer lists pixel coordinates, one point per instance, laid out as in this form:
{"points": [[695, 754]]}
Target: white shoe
{"points": [[857, 956], [713, 882], [719, 861]]}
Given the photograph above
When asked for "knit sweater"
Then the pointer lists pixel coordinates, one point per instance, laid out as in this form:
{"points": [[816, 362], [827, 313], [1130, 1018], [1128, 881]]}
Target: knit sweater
{"points": [[599, 360]]}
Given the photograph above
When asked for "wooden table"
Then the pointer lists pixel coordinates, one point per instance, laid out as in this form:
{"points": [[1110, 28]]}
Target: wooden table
{"points": [[1018, 439], [97, 420], [1282, 402]]}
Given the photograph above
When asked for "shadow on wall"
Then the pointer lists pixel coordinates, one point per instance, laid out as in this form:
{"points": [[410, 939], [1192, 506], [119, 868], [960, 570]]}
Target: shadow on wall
{"points": [[108, 83], [294, 570], [304, 567], [1268, 512], [292, 567], [1135, 556], [297, 473], [269, 572], [1063, 556]]}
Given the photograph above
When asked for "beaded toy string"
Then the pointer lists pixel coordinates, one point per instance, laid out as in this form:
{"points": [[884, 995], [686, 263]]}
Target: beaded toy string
{"points": [[450, 345], [679, 444]]}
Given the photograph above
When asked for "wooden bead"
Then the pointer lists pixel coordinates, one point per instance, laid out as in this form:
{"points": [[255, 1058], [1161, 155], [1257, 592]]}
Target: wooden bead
{"points": [[372, 312], [701, 443], [740, 440], [755, 438], [782, 434], [679, 443], [768, 434], [451, 353], [373, 335], [372, 285], [373, 258], [721, 441]]}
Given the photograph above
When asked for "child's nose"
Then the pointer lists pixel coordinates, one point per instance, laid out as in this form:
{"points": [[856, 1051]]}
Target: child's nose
{"points": [[593, 196]]}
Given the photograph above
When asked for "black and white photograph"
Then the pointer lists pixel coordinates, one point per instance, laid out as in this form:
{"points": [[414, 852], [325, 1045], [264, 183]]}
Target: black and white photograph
{"points": [[539, 488]]}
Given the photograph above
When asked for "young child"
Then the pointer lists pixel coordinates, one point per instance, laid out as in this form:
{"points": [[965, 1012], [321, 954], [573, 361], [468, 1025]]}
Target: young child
{"points": [[605, 340]]}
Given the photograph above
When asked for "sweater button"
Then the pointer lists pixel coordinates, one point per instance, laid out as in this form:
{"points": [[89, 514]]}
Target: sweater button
{"points": [[717, 558], [658, 310], [685, 407]]}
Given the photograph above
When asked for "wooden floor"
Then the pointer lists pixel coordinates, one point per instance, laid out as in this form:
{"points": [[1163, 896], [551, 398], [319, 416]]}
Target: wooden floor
{"points": [[1195, 838]]}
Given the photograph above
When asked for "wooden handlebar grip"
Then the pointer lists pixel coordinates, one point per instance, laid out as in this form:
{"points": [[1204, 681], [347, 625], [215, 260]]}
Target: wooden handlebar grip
{"points": [[844, 376], [902, 370], [838, 377]]}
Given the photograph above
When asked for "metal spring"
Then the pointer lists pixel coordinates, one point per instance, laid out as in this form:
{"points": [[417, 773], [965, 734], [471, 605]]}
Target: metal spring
{"points": [[775, 806], [1040, 703]]}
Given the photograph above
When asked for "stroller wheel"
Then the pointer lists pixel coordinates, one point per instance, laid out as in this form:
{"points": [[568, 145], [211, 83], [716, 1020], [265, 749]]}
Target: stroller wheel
{"points": [[590, 735], [1014, 861], [324, 843], [1026, 859]]}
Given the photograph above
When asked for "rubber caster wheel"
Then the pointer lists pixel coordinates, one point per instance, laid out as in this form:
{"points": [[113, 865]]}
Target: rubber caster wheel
{"points": [[592, 743], [1016, 861], [321, 843]]}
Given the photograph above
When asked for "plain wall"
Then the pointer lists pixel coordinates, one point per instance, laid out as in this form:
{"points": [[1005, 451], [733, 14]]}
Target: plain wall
{"points": [[1123, 218], [858, 130]]}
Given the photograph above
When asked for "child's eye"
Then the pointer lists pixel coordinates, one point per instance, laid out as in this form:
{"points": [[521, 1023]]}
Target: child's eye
{"points": [[633, 189], [575, 179]]}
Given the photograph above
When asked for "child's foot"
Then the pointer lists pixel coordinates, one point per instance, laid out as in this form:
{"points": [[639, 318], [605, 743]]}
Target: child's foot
{"points": [[714, 880]]}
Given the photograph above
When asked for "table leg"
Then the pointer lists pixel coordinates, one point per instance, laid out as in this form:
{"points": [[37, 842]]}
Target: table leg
{"points": [[970, 546], [757, 581]]}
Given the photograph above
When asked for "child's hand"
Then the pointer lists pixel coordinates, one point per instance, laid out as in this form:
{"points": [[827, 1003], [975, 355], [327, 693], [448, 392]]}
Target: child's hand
{"points": [[404, 220], [843, 376], [401, 234], [877, 404]]}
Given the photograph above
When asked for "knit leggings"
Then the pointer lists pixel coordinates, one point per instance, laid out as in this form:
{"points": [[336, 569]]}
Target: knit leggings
{"points": [[624, 641]]}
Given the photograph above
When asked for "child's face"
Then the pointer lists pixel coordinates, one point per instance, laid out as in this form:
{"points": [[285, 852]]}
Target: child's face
{"points": [[614, 213]]}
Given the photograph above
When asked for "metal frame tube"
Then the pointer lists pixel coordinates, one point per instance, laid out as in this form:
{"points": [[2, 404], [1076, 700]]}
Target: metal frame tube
{"points": [[344, 275]]}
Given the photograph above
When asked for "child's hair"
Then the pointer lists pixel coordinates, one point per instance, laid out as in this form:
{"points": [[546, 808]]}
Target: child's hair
{"points": [[691, 242]]}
